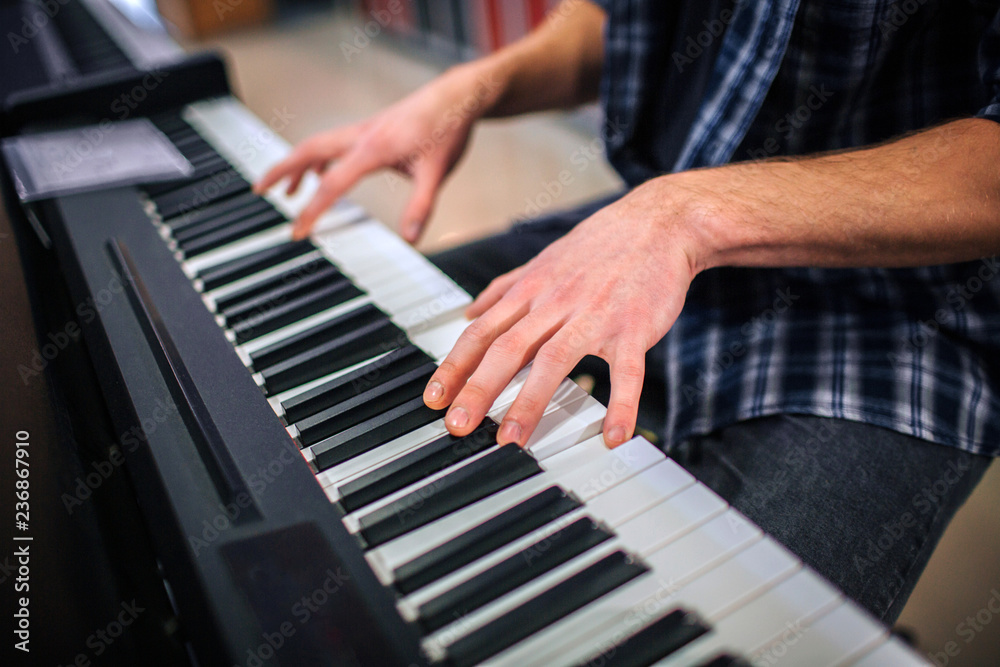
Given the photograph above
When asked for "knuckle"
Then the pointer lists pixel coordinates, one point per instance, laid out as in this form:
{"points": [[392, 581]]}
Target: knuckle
{"points": [[630, 372], [555, 354], [527, 409], [476, 391], [480, 333], [446, 371], [511, 344]]}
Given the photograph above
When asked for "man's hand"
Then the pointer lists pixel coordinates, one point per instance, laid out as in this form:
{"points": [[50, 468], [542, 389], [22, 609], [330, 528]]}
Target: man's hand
{"points": [[612, 288], [614, 285], [422, 136]]}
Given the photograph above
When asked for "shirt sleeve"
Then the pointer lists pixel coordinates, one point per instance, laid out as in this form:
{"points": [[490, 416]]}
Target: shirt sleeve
{"points": [[989, 69]]}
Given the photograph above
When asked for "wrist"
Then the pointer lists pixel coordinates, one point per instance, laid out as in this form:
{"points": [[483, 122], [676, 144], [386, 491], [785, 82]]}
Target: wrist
{"points": [[478, 86], [693, 216]]}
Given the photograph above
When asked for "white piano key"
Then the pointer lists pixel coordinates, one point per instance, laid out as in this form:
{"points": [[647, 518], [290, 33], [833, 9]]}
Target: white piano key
{"points": [[892, 653], [278, 335], [265, 239], [837, 638], [626, 500], [740, 572], [645, 491], [277, 400], [348, 470], [250, 146], [678, 516], [582, 480], [269, 273], [777, 618], [555, 413]]}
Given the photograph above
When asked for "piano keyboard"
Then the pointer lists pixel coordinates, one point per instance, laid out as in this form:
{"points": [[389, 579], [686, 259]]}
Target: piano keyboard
{"points": [[561, 553]]}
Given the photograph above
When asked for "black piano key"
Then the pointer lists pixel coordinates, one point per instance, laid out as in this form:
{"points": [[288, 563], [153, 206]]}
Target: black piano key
{"points": [[655, 642], [545, 609], [202, 169], [474, 481], [514, 523], [412, 467], [219, 208], [234, 232], [200, 194], [725, 660], [235, 299], [373, 433], [328, 296], [356, 319], [331, 356], [248, 265], [341, 388], [291, 285], [188, 232], [517, 570], [365, 405]]}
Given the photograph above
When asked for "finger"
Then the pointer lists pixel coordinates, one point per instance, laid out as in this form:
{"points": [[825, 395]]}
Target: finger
{"points": [[318, 149], [553, 362], [337, 180], [627, 372], [295, 180], [509, 354], [426, 182], [465, 356], [493, 293]]}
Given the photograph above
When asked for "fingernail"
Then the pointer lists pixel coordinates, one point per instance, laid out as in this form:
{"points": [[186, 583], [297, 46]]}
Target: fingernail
{"points": [[458, 418], [510, 431], [433, 392], [616, 435]]}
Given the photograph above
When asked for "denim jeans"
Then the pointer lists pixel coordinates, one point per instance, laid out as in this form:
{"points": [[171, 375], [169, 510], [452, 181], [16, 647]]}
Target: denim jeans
{"points": [[862, 505]]}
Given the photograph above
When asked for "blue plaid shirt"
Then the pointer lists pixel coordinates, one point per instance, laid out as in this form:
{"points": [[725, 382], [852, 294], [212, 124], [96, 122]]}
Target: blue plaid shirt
{"points": [[914, 350]]}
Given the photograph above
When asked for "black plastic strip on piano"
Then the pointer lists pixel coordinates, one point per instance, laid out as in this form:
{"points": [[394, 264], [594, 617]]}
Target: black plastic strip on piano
{"points": [[218, 461]]}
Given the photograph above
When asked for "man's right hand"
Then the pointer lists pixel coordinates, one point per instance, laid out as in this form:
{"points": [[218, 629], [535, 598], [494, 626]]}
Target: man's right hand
{"points": [[422, 136]]}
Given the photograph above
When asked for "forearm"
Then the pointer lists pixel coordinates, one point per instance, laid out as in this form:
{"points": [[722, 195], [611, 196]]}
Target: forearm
{"points": [[929, 198], [555, 67]]}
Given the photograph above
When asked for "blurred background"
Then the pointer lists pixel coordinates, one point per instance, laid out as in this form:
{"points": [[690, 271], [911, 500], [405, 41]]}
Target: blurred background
{"points": [[320, 63]]}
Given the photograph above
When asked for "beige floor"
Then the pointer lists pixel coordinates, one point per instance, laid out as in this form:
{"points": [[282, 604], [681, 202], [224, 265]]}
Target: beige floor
{"points": [[299, 68]]}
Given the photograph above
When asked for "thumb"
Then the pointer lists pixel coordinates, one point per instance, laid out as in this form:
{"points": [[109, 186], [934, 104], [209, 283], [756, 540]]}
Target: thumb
{"points": [[426, 183]]}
